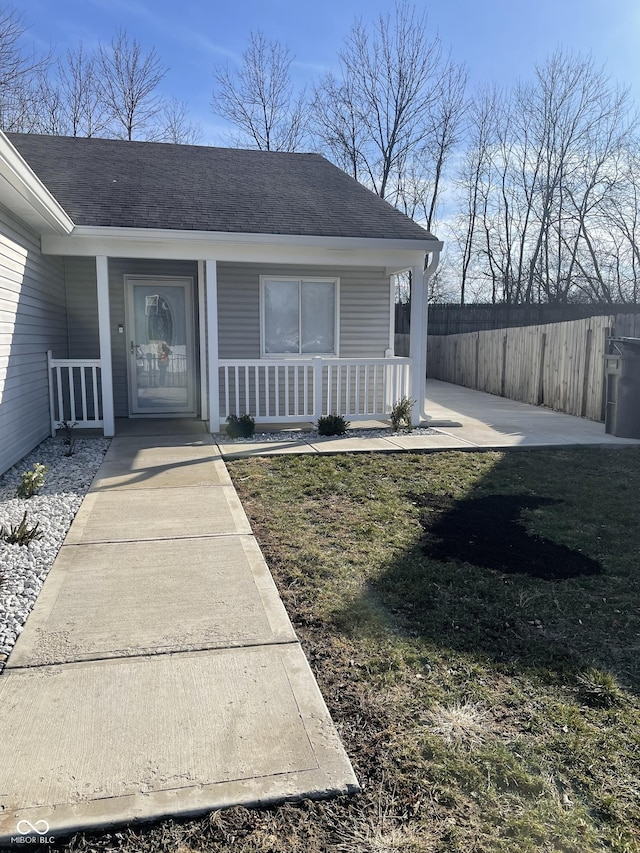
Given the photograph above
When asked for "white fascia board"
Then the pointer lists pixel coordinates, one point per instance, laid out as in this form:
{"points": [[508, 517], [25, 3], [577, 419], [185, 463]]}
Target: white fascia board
{"points": [[224, 246], [24, 194]]}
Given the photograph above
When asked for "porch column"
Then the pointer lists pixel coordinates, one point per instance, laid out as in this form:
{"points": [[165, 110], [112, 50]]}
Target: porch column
{"points": [[202, 340], [104, 332], [418, 343], [211, 275]]}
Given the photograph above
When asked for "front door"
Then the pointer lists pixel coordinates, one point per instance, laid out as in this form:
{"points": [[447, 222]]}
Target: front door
{"points": [[160, 326]]}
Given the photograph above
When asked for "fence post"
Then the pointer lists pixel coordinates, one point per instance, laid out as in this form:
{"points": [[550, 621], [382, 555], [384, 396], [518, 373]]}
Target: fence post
{"points": [[318, 363]]}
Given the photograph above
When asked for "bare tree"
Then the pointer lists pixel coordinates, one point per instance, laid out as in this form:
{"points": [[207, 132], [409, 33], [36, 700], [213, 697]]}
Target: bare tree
{"points": [[473, 182], [20, 74], [175, 126], [130, 79], [338, 127], [80, 92], [419, 186], [379, 110], [542, 184], [258, 98]]}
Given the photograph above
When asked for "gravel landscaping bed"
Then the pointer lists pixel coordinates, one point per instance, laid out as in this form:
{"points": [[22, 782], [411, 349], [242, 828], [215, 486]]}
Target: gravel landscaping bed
{"points": [[23, 569], [314, 435]]}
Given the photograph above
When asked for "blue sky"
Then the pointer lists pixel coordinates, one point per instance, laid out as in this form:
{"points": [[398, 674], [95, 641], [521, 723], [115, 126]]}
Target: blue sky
{"points": [[498, 40]]}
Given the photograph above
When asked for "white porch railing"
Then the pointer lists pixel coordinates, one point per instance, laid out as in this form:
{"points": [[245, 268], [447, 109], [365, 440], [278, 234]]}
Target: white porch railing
{"points": [[305, 389], [75, 392]]}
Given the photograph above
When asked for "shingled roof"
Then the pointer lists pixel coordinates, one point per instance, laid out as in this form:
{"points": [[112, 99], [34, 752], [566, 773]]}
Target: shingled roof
{"points": [[123, 184]]}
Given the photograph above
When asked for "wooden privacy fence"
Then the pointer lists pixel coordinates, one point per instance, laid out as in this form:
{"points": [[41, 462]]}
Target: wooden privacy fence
{"points": [[558, 365]]}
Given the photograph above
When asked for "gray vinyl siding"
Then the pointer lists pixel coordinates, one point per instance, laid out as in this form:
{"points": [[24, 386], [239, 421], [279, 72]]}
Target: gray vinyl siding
{"points": [[32, 321], [82, 307], [364, 307]]}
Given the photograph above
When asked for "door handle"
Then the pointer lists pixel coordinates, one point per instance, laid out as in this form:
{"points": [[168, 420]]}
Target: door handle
{"points": [[133, 348]]}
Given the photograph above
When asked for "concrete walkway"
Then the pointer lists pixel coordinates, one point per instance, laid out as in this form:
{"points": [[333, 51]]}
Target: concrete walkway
{"points": [[464, 420], [159, 673]]}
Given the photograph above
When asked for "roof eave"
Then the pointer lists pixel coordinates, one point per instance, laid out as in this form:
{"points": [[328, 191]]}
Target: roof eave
{"points": [[152, 235], [392, 254], [24, 194]]}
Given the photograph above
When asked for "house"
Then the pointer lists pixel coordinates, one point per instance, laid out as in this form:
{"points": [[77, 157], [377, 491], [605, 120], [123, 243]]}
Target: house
{"points": [[144, 279]]}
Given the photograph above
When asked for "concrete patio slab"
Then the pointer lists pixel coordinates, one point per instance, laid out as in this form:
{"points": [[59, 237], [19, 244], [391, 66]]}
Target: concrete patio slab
{"points": [[134, 738], [133, 598], [488, 421], [146, 514]]}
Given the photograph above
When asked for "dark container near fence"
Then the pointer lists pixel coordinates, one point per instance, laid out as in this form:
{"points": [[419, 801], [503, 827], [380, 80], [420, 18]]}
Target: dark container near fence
{"points": [[622, 374]]}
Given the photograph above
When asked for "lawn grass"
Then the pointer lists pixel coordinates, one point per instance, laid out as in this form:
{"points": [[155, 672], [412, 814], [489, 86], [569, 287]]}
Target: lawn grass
{"points": [[504, 706], [483, 710]]}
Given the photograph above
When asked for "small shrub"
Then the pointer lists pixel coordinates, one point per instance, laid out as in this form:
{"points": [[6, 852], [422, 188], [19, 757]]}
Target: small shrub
{"points": [[20, 534], [332, 425], [242, 426], [400, 415], [69, 438], [32, 480]]}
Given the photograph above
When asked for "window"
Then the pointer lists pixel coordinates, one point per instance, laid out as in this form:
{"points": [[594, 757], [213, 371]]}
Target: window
{"points": [[299, 316]]}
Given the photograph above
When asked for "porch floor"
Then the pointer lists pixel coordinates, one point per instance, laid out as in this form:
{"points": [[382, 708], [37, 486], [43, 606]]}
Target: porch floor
{"points": [[159, 673]]}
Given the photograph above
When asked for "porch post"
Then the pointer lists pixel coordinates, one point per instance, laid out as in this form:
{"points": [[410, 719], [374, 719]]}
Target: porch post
{"points": [[418, 343], [202, 340], [211, 275], [104, 331]]}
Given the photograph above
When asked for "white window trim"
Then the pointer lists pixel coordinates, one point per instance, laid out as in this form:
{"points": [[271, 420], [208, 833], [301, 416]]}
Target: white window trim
{"points": [[301, 279]]}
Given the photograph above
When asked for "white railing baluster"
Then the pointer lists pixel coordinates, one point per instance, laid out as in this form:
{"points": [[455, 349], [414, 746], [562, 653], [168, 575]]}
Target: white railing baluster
{"points": [[60, 412], [366, 390], [256, 386], [305, 391], [267, 394], [287, 411], [94, 381], [347, 391], [83, 390], [72, 395], [236, 378]]}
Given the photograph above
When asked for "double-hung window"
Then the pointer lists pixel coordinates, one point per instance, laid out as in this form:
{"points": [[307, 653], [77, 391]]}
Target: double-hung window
{"points": [[299, 316]]}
